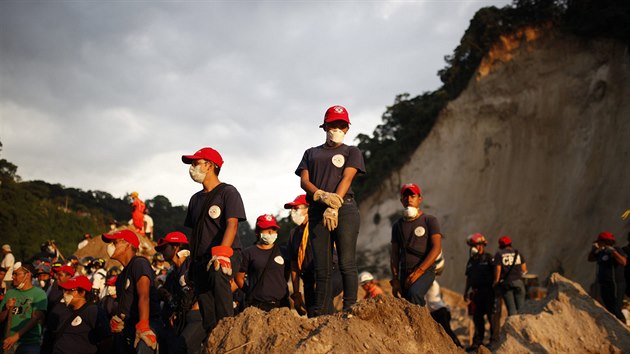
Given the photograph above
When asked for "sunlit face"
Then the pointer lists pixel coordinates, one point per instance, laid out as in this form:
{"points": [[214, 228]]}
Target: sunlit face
{"points": [[19, 276], [121, 246], [62, 277], [409, 199]]}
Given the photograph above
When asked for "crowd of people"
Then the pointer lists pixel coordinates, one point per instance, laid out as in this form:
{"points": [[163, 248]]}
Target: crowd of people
{"points": [[172, 303]]}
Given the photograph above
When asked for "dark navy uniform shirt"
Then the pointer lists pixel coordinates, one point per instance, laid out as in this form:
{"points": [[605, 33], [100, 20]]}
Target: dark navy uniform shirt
{"points": [[413, 238], [480, 271], [505, 258], [127, 295], [274, 286], [88, 326], [608, 269]]}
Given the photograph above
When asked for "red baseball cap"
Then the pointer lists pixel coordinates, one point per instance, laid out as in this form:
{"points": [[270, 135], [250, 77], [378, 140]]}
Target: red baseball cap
{"points": [[171, 237], [64, 268], [299, 200], [111, 281], [411, 187], [505, 241], [336, 113], [206, 153], [605, 235], [80, 282], [126, 235], [266, 221]]}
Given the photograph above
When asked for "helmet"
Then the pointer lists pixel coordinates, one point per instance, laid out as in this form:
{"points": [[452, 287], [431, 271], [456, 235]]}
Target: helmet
{"points": [[98, 262], [85, 261], [113, 271], [505, 241], [476, 239], [605, 236], [439, 264], [365, 277]]}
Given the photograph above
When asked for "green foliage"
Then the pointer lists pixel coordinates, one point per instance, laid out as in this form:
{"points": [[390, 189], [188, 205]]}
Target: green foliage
{"points": [[409, 120]]}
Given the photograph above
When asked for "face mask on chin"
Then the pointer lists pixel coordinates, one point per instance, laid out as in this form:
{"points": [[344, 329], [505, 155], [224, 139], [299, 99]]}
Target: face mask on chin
{"points": [[196, 174], [67, 298], [42, 283], [410, 212], [268, 239], [298, 217], [473, 250], [21, 285], [111, 248], [335, 136]]}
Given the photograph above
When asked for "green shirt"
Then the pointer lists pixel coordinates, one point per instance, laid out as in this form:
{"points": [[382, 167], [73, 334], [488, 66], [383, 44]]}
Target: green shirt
{"points": [[27, 301]]}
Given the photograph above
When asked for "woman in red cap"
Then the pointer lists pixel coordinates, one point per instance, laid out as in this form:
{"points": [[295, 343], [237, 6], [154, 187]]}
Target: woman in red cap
{"points": [[611, 261], [326, 174], [264, 266]]}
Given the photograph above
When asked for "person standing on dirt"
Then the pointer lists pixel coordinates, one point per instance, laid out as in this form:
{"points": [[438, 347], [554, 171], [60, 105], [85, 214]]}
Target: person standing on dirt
{"points": [[326, 174], [264, 266], [148, 224], [479, 291], [509, 268], [136, 323], [137, 213], [611, 261], [213, 214], [7, 263], [416, 244]]}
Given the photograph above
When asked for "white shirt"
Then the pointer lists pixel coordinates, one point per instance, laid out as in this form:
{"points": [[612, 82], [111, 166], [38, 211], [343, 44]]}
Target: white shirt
{"points": [[148, 224], [7, 263], [434, 298]]}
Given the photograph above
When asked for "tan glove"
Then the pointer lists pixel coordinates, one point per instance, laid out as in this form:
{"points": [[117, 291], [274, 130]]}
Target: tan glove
{"points": [[333, 200], [330, 218]]}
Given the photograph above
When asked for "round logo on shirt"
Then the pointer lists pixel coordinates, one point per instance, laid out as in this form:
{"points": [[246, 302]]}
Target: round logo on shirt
{"points": [[214, 211], [419, 231], [279, 260], [182, 280], [338, 160], [77, 321], [127, 284], [605, 257]]}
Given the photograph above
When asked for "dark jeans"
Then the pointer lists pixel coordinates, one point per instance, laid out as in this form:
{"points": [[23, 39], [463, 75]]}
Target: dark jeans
{"points": [[483, 298], [309, 290], [415, 294], [513, 293], [443, 317], [214, 293], [344, 237], [612, 297]]}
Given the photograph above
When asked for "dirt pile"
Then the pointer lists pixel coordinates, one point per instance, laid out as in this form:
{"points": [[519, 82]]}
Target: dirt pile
{"points": [[98, 249], [568, 320], [382, 325]]}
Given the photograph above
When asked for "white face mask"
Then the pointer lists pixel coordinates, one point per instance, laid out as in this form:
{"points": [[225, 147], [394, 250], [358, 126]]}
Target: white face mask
{"points": [[111, 248], [268, 239], [42, 283], [183, 253], [297, 216], [410, 212], [335, 136], [196, 174], [21, 285], [67, 298], [473, 251]]}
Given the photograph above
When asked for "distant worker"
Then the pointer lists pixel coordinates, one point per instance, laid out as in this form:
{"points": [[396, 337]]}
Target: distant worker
{"points": [[479, 291], [85, 241], [509, 268], [98, 277], [367, 282], [611, 261], [137, 213], [148, 224], [416, 244], [440, 311], [7, 263], [264, 266]]}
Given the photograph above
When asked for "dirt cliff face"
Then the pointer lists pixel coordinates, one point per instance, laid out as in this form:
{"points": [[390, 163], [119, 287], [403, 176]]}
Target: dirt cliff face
{"points": [[537, 147]]}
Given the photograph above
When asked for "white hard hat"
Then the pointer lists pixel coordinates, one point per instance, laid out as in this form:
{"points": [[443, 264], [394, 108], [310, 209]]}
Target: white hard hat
{"points": [[365, 277]]}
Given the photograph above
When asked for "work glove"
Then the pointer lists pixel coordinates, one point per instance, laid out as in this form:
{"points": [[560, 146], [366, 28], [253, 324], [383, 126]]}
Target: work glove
{"points": [[333, 200], [221, 259], [145, 333], [395, 288], [330, 219], [298, 303], [117, 323]]}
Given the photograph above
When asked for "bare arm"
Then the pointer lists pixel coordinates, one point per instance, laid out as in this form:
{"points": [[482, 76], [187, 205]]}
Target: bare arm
{"points": [[230, 232], [240, 279], [619, 257], [142, 287]]}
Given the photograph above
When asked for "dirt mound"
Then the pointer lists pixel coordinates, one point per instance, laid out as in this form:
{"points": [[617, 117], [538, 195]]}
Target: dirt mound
{"points": [[98, 249], [383, 325], [568, 320]]}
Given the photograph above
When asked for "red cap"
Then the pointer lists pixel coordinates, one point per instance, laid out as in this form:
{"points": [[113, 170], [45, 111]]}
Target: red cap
{"points": [[206, 153], [81, 282], [171, 237], [411, 187], [505, 241], [336, 113], [299, 200], [64, 268], [111, 281], [126, 235], [266, 221], [605, 235]]}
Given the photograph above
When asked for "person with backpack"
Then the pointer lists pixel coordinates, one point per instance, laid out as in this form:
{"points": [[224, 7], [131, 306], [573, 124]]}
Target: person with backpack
{"points": [[264, 266], [509, 268], [611, 261], [215, 247], [416, 244]]}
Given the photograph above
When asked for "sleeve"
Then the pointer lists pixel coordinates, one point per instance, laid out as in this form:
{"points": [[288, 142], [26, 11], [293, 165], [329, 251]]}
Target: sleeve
{"points": [[141, 267], [189, 222], [497, 259], [434, 226], [245, 261], [395, 233], [40, 301], [234, 204], [355, 159], [303, 164], [621, 251], [522, 257]]}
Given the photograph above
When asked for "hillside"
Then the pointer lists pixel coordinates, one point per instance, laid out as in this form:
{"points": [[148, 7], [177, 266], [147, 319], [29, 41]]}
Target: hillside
{"points": [[537, 146]]}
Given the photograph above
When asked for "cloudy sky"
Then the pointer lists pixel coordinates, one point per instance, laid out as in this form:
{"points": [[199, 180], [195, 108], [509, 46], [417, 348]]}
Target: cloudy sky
{"points": [[108, 95]]}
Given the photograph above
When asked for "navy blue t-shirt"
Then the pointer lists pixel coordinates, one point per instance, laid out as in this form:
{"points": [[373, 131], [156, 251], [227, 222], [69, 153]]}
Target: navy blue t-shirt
{"points": [[325, 166], [295, 240], [274, 286], [226, 204], [480, 271], [505, 258], [88, 326], [127, 295], [608, 269], [414, 235]]}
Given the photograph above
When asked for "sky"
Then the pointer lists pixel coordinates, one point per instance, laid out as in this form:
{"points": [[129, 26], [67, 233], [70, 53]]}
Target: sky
{"points": [[108, 95]]}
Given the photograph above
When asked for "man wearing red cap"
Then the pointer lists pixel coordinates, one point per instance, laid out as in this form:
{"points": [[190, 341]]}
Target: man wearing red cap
{"points": [[137, 319], [611, 261], [416, 244], [509, 268], [213, 214], [264, 265], [326, 173]]}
